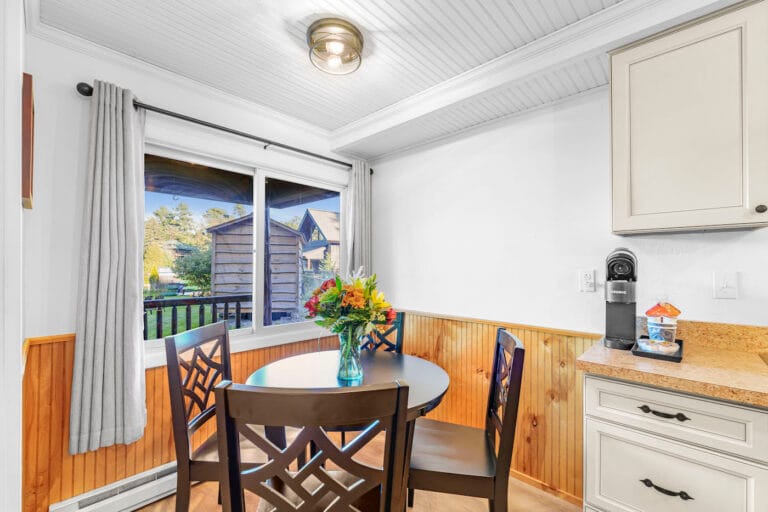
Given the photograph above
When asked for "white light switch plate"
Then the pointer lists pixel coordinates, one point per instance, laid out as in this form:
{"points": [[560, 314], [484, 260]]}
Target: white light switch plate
{"points": [[725, 285], [587, 280]]}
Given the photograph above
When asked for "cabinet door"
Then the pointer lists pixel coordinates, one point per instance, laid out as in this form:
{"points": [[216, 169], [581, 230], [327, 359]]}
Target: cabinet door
{"points": [[628, 471], [690, 126]]}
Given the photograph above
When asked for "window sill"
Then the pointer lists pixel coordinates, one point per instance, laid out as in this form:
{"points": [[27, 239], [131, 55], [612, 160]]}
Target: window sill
{"points": [[245, 340]]}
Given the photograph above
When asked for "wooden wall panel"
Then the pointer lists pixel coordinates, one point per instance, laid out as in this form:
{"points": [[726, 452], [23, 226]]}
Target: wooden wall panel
{"points": [[548, 442], [547, 447], [49, 473]]}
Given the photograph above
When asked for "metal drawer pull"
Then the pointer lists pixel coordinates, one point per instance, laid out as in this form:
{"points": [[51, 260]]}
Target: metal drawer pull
{"points": [[683, 495], [679, 416]]}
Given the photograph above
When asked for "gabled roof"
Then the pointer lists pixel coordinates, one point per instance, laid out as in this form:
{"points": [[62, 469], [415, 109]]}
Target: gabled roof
{"points": [[326, 221], [234, 222], [230, 223]]}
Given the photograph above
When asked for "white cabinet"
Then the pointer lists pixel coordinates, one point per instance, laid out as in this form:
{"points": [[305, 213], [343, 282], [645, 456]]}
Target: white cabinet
{"points": [[727, 428], [652, 450], [689, 113], [628, 471]]}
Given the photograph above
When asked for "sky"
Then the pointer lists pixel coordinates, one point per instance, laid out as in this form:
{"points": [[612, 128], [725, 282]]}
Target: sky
{"points": [[154, 200]]}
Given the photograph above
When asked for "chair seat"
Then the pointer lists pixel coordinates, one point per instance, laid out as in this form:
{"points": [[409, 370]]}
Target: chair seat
{"points": [[451, 458]]}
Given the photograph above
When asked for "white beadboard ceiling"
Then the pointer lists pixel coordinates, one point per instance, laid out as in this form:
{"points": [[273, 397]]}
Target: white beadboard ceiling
{"points": [[543, 89], [430, 67], [257, 49]]}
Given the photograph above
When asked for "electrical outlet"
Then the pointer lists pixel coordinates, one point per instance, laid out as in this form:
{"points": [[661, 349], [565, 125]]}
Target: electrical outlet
{"points": [[587, 280], [725, 285]]}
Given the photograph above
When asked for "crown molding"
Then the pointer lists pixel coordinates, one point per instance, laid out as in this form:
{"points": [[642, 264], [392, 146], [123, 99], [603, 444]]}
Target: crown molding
{"points": [[42, 31], [605, 30], [616, 26]]}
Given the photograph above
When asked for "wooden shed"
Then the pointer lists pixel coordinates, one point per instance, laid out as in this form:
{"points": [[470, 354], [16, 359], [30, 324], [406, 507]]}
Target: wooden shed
{"points": [[232, 264]]}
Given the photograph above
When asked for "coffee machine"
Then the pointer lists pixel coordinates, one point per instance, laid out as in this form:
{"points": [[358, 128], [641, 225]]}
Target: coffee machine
{"points": [[620, 299]]}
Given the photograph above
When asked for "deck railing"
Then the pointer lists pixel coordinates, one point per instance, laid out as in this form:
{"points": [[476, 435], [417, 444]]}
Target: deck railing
{"points": [[209, 310]]}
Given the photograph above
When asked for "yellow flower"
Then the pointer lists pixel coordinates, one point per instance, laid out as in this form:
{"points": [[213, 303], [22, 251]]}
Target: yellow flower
{"points": [[378, 300]]}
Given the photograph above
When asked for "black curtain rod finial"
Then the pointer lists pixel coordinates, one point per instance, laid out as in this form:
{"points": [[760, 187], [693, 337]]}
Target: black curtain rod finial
{"points": [[84, 89]]}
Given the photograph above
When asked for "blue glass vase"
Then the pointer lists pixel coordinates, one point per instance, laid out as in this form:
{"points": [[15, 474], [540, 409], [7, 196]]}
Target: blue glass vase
{"points": [[349, 357]]}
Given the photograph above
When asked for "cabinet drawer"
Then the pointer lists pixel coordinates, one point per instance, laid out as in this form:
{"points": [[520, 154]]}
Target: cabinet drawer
{"points": [[729, 428], [623, 466]]}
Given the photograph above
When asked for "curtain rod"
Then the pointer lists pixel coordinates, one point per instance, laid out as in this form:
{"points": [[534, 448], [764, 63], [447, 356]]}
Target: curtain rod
{"points": [[87, 90]]}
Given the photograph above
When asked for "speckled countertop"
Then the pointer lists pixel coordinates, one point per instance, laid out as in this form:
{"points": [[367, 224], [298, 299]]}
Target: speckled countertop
{"points": [[725, 373]]}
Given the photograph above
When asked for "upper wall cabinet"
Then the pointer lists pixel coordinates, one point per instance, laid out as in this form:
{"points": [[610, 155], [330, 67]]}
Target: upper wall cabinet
{"points": [[690, 126]]}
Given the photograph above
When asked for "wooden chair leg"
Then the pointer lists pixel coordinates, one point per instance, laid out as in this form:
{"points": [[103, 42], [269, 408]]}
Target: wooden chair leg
{"points": [[410, 497], [182, 493], [499, 501]]}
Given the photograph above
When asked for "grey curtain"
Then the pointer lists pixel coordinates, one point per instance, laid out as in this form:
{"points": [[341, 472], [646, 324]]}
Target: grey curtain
{"points": [[108, 390], [359, 218]]}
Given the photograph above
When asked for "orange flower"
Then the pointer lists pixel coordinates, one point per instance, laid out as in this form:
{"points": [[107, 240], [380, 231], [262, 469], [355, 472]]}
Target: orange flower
{"points": [[353, 297]]}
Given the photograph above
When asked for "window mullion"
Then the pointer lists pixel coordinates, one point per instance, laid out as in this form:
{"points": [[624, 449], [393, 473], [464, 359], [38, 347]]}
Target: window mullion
{"points": [[259, 213]]}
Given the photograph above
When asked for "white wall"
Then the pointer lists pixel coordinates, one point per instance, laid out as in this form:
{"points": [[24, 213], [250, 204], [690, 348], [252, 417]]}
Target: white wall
{"points": [[52, 229], [11, 338], [494, 224]]}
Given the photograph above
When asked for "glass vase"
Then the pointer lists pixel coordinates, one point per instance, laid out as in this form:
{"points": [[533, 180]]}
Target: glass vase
{"points": [[349, 357]]}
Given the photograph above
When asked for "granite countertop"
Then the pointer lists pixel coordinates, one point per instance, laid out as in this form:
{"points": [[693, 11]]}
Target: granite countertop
{"points": [[734, 375]]}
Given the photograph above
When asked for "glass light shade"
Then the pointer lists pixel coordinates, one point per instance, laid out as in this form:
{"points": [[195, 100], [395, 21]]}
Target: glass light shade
{"points": [[335, 46]]}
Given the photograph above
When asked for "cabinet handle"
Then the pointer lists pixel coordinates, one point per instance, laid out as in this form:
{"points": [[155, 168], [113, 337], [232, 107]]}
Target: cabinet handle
{"points": [[761, 208], [683, 495], [679, 416]]}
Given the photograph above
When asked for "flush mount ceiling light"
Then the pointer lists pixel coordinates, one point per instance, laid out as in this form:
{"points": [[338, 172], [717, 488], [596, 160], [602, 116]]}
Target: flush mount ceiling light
{"points": [[335, 46]]}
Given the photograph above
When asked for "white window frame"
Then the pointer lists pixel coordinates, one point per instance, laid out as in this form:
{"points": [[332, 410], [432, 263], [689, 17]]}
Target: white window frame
{"points": [[258, 335]]}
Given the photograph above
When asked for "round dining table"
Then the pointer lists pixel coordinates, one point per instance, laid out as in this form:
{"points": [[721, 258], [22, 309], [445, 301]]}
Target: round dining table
{"points": [[427, 381], [427, 384]]}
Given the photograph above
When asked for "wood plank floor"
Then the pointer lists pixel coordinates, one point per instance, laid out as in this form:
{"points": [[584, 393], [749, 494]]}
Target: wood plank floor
{"points": [[522, 498]]}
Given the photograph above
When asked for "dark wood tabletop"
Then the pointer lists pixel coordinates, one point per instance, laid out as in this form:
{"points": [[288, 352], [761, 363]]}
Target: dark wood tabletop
{"points": [[428, 382]]}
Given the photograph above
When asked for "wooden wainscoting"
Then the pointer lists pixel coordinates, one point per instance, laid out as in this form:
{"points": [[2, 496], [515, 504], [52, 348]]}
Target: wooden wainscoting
{"points": [[548, 444], [49, 473], [547, 449]]}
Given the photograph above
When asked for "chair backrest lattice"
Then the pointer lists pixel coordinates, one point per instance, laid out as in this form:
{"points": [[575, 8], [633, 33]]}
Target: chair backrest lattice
{"points": [[197, 360], [504, 397], [386, 337], [335, 477]]}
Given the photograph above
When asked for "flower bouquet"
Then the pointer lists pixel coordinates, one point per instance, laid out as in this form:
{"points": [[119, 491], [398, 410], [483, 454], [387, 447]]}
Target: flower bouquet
{"points": [[349, 309]]}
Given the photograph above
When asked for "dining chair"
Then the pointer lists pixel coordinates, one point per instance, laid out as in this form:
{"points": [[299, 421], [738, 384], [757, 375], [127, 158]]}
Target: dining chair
{"points": [[390, 338], [198, 360], [335, 478], [469, 461]]}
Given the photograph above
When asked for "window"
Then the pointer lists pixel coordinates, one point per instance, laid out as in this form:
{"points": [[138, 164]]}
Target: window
{"points": [[209, 255], [302, 243]]}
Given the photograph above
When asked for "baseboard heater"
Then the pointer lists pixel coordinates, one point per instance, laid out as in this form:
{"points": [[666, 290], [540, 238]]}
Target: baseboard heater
{"points": [[128, 494]]}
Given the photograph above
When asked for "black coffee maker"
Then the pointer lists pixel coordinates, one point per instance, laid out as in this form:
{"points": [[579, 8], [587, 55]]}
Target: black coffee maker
{"points": [[620, 299]]}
